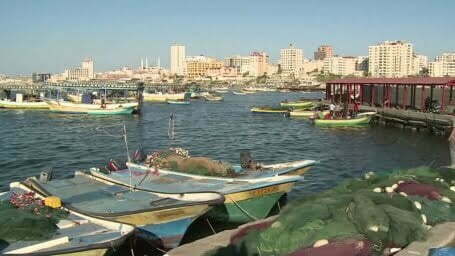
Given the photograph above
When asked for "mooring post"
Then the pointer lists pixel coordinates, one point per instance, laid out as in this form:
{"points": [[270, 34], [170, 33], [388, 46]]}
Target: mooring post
{"points": [[452, 149]]}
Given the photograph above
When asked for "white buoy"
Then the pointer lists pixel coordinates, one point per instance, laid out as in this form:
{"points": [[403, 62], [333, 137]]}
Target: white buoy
{"points": [[377, 190], [320, 243], [418, 205]]}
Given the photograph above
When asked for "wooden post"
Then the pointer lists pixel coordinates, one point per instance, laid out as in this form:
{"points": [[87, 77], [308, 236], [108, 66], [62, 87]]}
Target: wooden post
{"points": [[361, 93], [396, 95], [442, 97], [405, 94], [450, 95], [372, 96], [422, 98]]}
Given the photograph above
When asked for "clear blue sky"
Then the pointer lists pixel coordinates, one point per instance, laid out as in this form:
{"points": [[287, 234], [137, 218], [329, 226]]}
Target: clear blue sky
{"points": [[49, 35]]}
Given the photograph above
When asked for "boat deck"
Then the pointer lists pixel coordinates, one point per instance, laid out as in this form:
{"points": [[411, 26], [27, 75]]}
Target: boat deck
{"points": [[93, 197], [169, 182], [73, 232]]}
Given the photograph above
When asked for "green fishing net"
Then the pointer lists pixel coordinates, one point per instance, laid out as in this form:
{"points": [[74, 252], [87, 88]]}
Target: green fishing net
{"points": [[33, 223], [367, 208]]}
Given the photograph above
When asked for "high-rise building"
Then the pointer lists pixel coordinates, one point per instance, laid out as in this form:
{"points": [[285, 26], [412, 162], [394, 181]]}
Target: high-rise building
{"points": [[241, 63], [324, 51], [178, 57], [85, 72], [391, 59], [443, 65], [258, 63], [291, 60], [340, 65], [88, 64], [420, 62]]}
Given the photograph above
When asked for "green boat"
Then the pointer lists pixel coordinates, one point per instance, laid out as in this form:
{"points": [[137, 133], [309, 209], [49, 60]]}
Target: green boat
{"points": [[178, 102], [360, 120], [297, 104], [267, 109], [248, 197], [117, 111]]}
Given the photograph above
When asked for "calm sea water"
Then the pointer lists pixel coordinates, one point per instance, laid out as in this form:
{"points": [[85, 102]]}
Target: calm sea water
{"points": [[32, 141]]}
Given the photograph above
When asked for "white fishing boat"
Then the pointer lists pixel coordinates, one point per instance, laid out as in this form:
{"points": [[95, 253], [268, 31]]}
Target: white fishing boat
{"points": [[5, 103], [163, 97], [96, 109]]}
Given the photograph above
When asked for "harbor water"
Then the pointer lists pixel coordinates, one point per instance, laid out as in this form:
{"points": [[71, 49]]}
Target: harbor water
{"points": [[33, 141]]}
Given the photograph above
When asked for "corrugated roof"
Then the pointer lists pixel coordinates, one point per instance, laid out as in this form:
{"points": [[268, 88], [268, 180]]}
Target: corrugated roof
{"points": [[409, 80]]}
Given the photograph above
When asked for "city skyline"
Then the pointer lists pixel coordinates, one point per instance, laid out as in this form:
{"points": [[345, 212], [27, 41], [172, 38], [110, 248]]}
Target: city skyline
{"points": [[41, 37]]}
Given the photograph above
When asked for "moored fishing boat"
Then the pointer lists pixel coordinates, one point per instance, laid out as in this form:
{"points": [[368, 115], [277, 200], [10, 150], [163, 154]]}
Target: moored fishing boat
{"points": [[248, 197], [178, 102], [297, 104], [212, 97], [92, 109], [238, 93], [267, 109], [163, 97], [23, 105], [360, 120], [308, 113], [75, 233], [159, 216]]}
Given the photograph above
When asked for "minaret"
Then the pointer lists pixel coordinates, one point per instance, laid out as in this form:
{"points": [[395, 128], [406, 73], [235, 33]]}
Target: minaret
{"points": [[146, 63], [158, 62], [142, 63]]}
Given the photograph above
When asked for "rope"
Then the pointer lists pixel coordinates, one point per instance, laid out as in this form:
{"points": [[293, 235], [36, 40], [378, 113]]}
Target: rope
{"points": [[210, 225], [244, 211]]}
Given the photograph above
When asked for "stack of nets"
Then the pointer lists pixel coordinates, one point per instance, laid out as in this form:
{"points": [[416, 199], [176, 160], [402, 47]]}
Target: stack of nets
{"points": [[24, 218], [177, 159], [374, 215]]}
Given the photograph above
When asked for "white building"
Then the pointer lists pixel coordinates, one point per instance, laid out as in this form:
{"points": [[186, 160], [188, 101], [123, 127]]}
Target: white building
{"points": [[291, 60], [443, 65], [340, 65], [178, 57], [241, 63], [313, 66], [88, 65], [391, 59], [85, 72]]}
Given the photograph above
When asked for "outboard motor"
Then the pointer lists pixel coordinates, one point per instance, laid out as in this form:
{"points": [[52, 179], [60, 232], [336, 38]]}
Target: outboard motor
{"points": [[112, 166], [45, 176], [246, 161], [139, 156]]}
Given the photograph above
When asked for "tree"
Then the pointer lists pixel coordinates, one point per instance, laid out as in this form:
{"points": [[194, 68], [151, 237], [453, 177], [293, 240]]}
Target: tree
{"points": [[424, 72]]}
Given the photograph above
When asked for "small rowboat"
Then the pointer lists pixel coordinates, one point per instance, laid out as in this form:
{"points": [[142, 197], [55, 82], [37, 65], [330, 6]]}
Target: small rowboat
{"points": [[239, 93], [161, 216], [297, 104], [359, 121], [269, 110], [23, 105], [249, 197], [307, 113], [213, 98], [178, 102]]}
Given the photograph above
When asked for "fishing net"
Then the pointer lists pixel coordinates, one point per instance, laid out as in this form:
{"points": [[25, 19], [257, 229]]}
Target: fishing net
{"points": [[378, 211], [27, 219], [179, 160]]}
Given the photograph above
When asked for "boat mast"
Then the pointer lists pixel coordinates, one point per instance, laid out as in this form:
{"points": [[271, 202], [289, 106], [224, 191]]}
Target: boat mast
{"points": [[125, 138]]}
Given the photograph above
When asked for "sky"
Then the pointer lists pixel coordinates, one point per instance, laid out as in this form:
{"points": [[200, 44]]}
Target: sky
{"points": [[51, 35]]}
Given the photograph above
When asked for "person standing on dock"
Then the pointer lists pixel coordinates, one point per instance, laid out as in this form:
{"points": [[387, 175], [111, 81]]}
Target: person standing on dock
{"points": [[332, 108]]}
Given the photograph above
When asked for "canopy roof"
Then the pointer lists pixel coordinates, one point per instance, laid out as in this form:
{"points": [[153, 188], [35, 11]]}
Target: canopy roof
{"points": [[397, 81]]}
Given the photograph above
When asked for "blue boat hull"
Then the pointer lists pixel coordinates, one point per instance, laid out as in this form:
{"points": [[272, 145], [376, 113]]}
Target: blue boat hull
{"points": [[166, 235]]}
